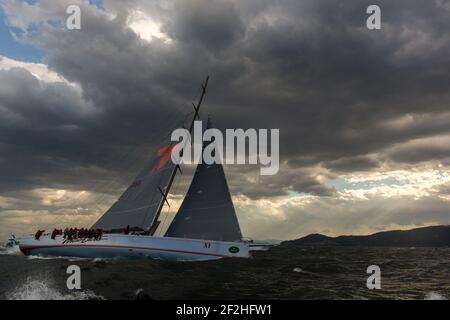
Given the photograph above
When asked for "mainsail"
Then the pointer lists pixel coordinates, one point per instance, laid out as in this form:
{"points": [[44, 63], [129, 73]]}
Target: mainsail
{"points": [[207, 211], [138, 205], [141, 204]]}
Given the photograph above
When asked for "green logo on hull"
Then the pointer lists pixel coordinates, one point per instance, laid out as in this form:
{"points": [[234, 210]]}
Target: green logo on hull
{"points": [[233, 249]]}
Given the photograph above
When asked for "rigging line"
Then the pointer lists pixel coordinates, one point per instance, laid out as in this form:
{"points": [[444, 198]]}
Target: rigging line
{"points": [[177, 184], [180, 108], [97, 203], [172, 116], [136, 154], [130, 153], [173, 174], [164, 221], [118, 158], [60, 220], [57, 218], [161, 230]]}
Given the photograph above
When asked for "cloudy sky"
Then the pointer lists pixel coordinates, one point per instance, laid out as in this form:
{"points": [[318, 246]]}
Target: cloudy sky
{"points": [[364, 115]]}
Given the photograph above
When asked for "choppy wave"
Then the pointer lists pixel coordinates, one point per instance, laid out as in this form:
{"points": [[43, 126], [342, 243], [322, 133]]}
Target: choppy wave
{"points": [[71, 259], [74, 259], [280, 273], [434, 296], [105, 260], [10, 251], [43, 289]]}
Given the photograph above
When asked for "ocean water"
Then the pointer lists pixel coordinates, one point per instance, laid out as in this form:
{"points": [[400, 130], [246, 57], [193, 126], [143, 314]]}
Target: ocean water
{"points": [[280, 273]]}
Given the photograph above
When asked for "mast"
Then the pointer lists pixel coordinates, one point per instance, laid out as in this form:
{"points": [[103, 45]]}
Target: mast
{"points": [[165, 193]]}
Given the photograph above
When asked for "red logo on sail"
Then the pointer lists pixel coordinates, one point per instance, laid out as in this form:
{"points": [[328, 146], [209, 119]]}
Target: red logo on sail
{"points": [[166, 154]]}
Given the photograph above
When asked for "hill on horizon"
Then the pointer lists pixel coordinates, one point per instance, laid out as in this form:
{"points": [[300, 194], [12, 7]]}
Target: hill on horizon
{"points": [[434, 236]]}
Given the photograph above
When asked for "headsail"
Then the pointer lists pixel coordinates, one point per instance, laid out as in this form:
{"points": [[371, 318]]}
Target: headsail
{"points": [[207, 211], [138, 205]]}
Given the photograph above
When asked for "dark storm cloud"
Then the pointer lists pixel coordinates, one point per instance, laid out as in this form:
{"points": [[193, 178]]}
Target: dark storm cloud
{"points": [[248, 182], [352, 164], [212, 24], [310, 68], [421, 154], [422, 150], [50, 134]]}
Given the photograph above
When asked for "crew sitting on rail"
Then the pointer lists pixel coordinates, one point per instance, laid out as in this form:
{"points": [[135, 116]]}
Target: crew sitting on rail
{"points": [[82, 234], [56, 232], [38, 234]]}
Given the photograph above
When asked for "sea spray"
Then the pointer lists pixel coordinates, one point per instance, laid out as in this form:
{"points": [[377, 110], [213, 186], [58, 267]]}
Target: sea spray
{"points": [[43, 289], [71, 259], [10, 251], [434, 296]]}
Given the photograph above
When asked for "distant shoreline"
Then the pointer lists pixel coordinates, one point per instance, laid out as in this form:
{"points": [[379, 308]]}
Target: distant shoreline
{"points": [[434, 236]]}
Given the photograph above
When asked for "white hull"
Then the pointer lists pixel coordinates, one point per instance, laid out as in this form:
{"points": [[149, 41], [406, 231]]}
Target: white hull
{"points": [[132, 247]]}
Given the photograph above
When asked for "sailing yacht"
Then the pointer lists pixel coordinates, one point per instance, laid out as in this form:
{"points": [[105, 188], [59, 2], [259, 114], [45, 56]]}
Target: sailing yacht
{"points": [[204, 228]]}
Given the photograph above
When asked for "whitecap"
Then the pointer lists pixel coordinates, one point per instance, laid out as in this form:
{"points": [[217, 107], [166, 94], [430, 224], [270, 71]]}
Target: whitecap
{"points": [[71, 259], [434, 296], [43, 289], [10, 250], [105, 260]]}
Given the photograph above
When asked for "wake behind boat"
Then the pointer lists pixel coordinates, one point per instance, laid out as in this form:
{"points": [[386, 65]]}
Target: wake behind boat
{"points": [[205, 227]]}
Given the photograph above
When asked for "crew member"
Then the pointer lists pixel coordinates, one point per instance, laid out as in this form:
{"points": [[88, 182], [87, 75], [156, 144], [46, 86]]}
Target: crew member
{"points": [[38, 234]]}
